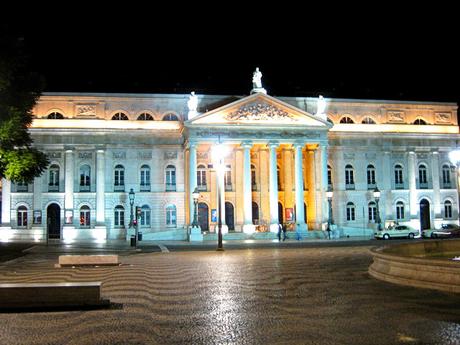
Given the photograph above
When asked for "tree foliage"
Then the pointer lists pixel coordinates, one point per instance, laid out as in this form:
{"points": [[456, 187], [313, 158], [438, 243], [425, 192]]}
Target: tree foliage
{"points": [[20, 89]]}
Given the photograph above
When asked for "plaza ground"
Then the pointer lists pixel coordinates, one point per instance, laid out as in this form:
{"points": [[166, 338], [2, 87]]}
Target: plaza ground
{"points": [[315, 293]]}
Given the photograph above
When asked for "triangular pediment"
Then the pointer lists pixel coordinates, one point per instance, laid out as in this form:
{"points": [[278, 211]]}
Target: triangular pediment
{"points": [[258, 110]]}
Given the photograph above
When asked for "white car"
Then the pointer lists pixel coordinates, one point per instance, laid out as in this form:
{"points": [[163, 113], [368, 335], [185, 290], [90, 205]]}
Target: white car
{"points": [[398, 231]]}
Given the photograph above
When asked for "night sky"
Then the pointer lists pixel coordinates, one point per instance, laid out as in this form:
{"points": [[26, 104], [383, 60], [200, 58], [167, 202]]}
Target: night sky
{"points": [[164, 52]]}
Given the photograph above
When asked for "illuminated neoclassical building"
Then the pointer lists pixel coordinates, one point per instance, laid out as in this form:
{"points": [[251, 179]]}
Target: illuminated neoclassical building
{"points": [[284, 153]]}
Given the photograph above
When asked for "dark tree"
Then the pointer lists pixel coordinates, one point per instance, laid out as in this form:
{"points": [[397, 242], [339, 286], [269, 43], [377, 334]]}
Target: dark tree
{"points": [[20, 88]]}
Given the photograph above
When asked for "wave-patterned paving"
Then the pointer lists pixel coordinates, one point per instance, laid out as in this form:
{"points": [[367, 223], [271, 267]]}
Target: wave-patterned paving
{"points": [[260, 296]]}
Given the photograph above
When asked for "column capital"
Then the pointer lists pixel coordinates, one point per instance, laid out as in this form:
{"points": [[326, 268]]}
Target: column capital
{"points": [[246, 144], [273, 144], [191, 144]]}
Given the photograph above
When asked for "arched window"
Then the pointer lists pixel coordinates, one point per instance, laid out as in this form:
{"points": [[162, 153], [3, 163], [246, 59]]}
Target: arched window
{"points": [[22, 217], [85, 217], [171, 215], [399, 183], [145, 178], [329, 176], [349, 177], [368, 121], [346, 119], [53, 184], [145, 216], [370, 176], [170, 178], [419, 122], [119, 216], [145, 117], [201, 177], [422, 176], [85, 178], [170, 117], [55, 115], [350, 211], [228, 178], [119, 116], [447, 209], [253, 178], [372, 211], [446, 176], [399, 210], [119, 178]]}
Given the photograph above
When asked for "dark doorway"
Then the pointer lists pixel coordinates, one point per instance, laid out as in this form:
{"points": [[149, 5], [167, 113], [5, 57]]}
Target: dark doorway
{"points": [[229, 220], [53, 216], [255, 213], [280, 213], [425, 214], [203, 216]]}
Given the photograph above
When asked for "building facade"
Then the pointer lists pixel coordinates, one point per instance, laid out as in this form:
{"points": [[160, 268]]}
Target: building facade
{"points": [[282, 155]]}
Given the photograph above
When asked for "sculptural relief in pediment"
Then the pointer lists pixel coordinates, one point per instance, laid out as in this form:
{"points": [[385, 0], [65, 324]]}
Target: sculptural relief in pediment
{"points": [[259, 112]]}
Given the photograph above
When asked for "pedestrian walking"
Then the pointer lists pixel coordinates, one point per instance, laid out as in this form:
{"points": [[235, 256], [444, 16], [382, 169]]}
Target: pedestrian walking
{"points": [[284, 231], [280, 229]]}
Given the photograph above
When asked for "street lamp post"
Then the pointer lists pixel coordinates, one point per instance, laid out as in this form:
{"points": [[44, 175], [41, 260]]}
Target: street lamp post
{"points": [[330, 220], [454, 157], [131, 219], [195, 196], [218, 154], [377, 198]]}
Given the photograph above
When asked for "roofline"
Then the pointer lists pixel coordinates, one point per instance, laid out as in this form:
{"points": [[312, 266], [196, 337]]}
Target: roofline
{"points": [[182, 95]]}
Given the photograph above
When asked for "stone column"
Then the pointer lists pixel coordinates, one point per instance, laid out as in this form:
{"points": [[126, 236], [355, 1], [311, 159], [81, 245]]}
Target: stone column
{"points": [[311, 197], [100, 188], [6, 202], [248, 227], [69, 180], [321, 183], [273, 188], [412, 186], [299, 200], [436, 187], [192, 181]]}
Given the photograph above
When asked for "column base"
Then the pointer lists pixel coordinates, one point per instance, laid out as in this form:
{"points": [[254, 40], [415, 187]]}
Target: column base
{"points": [[224, 229], [249, 228], [195, 234], [274, 228], [301, 228]]}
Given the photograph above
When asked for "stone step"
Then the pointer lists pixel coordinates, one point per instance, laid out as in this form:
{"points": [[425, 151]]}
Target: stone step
{"points": [[88, 260], [45, 295]]}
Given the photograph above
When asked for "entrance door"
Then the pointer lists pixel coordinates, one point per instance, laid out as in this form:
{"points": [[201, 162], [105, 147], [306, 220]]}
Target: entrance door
{"points": [[425, 214], [53, 215], [255, 213], [203, 214], [280, 213], [229, 220]]}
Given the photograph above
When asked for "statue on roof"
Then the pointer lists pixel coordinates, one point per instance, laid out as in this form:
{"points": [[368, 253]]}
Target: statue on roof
{"points": [[257, 79], [257, 82], [192, 105], [321, 107]]}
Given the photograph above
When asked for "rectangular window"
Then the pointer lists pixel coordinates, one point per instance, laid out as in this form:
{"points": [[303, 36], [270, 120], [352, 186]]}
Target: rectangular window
{"points": [[350, 213], [447, 211], [400, 212], [372, 213]]}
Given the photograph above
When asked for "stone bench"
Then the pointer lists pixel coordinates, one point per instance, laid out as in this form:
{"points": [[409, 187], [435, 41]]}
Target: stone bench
{"points": [[87, 260], [46, 295]]}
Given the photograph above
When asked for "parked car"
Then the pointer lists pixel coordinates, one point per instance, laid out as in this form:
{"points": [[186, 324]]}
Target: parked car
{"points": [[447, 230], [398, 231]]}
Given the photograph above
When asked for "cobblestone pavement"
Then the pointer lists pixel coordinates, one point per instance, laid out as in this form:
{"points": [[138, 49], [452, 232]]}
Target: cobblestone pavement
{"points": [[253, 296]]}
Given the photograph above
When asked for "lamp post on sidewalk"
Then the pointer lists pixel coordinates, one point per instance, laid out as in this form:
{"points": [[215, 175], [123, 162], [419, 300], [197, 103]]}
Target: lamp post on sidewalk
{"points": [[132, 195], [219, 152], [377, 198], [330, 220], [195, 196]]}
